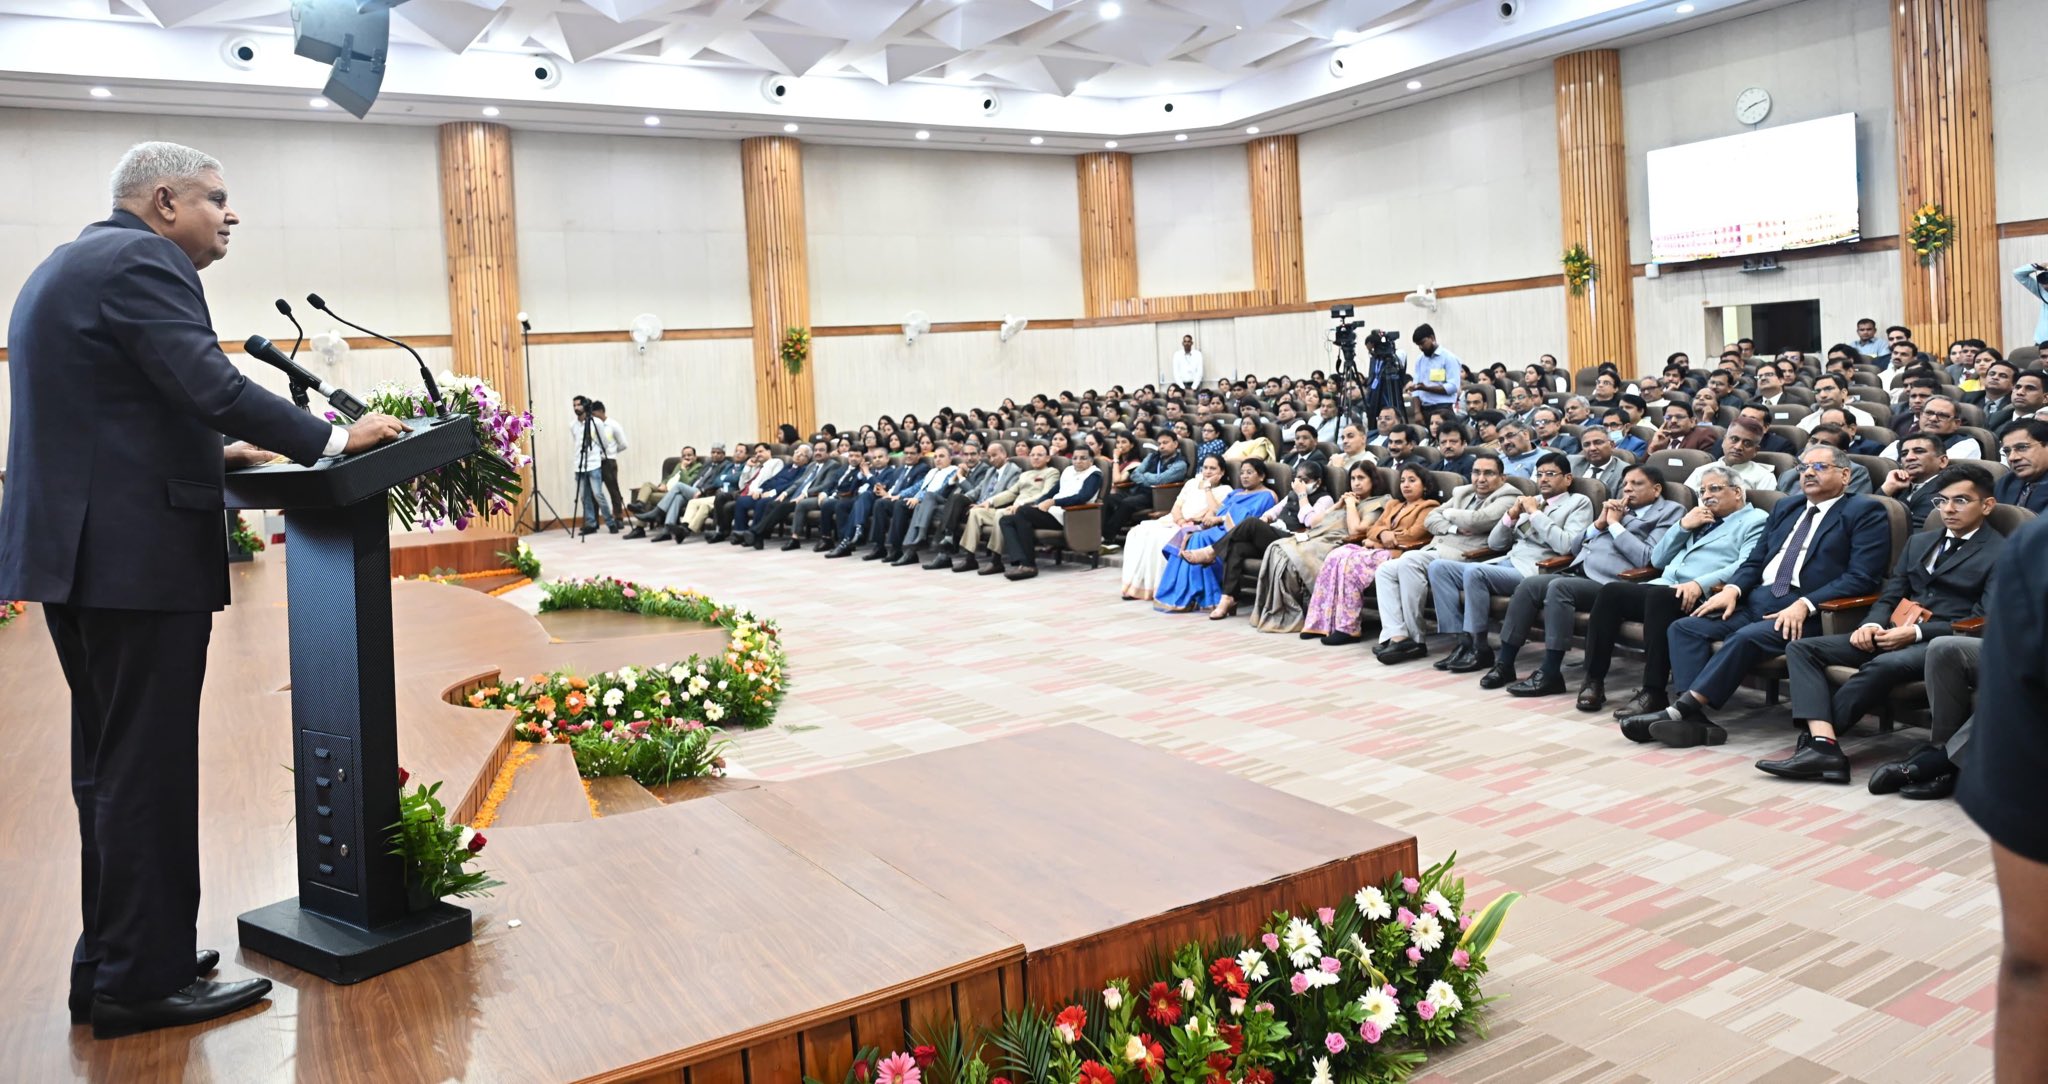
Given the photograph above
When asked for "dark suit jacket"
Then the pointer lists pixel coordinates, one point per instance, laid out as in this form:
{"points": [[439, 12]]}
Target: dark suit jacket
{"points": [[1844, 559], [2010, 486], [121, 394], [1953, 591], [1919, 502]]}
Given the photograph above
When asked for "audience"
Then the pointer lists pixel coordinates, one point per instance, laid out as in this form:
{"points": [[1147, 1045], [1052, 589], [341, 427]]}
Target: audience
{"points": [[1191, 580], [1921, 461], [1078, 485], [1290, 565], [1147, 543], [985, 517], [1459, 526], [2024, 444], [1306, 504], [1533, 529], [1336, 602]]}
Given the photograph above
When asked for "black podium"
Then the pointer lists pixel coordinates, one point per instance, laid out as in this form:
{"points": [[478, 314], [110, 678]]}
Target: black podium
{"points": [[351, 919]]}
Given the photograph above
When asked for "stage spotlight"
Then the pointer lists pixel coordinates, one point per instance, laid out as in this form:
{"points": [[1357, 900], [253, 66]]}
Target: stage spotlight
{"points": [[354, 41]]}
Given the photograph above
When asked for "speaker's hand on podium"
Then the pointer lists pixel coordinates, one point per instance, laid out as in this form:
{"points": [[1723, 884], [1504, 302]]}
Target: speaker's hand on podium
{"points": [[244, 454], [371, 430]]}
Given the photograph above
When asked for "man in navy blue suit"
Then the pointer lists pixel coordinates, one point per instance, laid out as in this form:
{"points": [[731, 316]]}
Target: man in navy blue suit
{"points": [[1822, 545], [113, 523]]}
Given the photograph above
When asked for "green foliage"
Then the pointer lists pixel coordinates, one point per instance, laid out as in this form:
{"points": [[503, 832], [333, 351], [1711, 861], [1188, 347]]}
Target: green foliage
{"points": [[483, 482], [523, 561], [243, 539], [436, 853]]}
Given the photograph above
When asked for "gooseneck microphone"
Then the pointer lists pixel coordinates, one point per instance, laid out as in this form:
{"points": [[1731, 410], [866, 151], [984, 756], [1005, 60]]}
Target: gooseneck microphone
{"points": [[285, 307], [426, 374], [263, 350]]}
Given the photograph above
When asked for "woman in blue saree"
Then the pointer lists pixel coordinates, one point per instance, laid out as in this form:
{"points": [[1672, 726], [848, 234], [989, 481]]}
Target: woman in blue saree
{"points": [[1193, 580]]}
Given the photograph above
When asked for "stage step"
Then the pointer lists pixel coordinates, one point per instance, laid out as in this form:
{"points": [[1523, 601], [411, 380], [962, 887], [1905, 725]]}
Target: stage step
{"points": [[545, 791], [684, 790], [616, 795]]}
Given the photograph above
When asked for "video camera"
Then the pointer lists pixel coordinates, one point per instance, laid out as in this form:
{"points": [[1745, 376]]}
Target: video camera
{"points": [[1378, 344]]}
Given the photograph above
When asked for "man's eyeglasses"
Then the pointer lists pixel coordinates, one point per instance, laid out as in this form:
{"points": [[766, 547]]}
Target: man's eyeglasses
{"points": [[1816, 468], [1550, 473], [1954, 502], [2018, 448], [1936, 414]]}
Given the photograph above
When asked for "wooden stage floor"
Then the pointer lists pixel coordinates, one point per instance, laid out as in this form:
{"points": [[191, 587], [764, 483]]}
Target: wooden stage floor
{"points": [[750, 935]]}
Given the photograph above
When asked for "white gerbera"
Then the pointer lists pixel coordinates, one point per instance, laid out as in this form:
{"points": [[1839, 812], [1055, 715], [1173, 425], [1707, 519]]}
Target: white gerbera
{"points": [[1443, 906], [1380, 1010], [677, 673], [713, 713], [1303, 945], [1372, 903], [1444, 998], [614, 697], [1253, 963], [1427, 933], [1317, 977]]}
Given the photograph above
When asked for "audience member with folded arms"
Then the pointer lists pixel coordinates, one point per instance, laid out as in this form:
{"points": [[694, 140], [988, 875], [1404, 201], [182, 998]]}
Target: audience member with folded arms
{"points": [[1550, 523], [1336, 605], [1289, 567], [835, 508], [1147, 544], [1079, 484], [998, 470], [1457, 527], [1191, 579]]}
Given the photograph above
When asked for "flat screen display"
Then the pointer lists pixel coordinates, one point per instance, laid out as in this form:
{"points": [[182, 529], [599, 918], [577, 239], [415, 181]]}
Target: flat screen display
{"points": [[1793, 186]]}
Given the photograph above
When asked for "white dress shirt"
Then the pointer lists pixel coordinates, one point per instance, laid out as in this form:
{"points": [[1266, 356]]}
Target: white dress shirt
{"points": [[1819, 514], [1187, 367], [1813, 417]]}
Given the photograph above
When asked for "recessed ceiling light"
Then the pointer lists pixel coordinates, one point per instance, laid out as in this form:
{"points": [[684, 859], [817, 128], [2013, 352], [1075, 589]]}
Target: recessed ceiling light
{"points": [[101, 92], [791, 127], [490, 111], [1110, 143], [1685, 9], [1414, 84], [1181, 138], [317, 103], [1253, 130], [1110, 9], [922, 134], [1038, 141], [651, 121]]}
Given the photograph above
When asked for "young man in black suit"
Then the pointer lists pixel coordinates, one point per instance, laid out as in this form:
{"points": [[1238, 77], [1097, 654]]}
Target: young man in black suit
{"points": [[113, 523], [1822, 545], [1940, 579]]}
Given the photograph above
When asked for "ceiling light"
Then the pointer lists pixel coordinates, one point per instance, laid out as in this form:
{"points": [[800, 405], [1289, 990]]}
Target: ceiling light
{"points": [[791, 127], [651, 121], [1253, 130], [1111, 144], [1685, 9], [101, 92], [922, 134], [490, 111], [317, 103], [1110, 9], [1038, 141], [1181, 138], [1414, 84]]}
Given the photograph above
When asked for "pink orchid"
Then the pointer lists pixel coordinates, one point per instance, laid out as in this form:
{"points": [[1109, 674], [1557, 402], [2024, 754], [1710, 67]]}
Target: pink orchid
{"points": [[1464, 922]]}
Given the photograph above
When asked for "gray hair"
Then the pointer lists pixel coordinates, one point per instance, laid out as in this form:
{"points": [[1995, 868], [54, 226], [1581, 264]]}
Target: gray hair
{"points": [[1579, 400], [1836, 456], [148, 164], [1726, 474]]}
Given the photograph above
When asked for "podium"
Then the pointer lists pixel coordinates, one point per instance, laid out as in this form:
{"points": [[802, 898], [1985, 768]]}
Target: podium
{"points": [[351, 919]]}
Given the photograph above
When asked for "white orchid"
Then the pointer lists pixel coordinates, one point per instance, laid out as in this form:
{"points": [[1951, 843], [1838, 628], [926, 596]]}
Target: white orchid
{"points": [[1112, 998]]}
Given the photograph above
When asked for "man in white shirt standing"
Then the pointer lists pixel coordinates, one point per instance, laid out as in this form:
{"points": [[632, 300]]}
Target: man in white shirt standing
{"points": [[612, 441], [1187, 365], [590, 437]]}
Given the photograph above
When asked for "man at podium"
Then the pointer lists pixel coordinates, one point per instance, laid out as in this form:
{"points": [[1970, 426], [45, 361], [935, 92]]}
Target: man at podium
{"points": [[113, 522]]}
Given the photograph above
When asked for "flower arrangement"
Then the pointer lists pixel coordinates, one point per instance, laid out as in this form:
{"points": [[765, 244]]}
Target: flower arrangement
{"points": [[796, 349], [523, 561], [242, 539], [477, 485], [435, 851], [1579, 269], [1360, 993], [1933, 231], [9, 611]]}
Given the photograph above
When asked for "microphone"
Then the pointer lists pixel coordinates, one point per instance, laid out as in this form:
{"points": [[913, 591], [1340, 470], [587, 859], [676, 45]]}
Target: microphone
{"points": [[264, 351], [426, 374], [524, 323], [285, 307]]}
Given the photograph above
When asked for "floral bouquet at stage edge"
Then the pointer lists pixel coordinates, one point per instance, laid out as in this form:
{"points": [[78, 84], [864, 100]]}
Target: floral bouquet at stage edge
{"points": [[468, 488], [435, 851]]}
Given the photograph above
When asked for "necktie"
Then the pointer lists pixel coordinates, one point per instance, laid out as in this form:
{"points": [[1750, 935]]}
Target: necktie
{"points": [[1781, 584], [2026, 493], [1948, 545]]}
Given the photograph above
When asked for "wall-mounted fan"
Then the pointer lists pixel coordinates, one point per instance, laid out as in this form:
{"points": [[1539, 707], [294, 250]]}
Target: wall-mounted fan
{"points": [[646, 328], [1011, 326], [915, 324], [1424, 297], [330, 346]]}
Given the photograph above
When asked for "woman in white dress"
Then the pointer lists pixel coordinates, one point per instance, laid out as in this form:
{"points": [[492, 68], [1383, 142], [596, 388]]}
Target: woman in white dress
{"points": [[1144, 552]]}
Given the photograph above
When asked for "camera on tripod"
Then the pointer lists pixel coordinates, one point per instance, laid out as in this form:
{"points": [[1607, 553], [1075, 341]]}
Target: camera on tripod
{"points": [[1378, 344]]}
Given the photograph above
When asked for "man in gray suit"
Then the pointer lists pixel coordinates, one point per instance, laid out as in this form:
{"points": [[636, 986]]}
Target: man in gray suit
{"points": [[1596, 460], [1940, 579], [1533, 529]]}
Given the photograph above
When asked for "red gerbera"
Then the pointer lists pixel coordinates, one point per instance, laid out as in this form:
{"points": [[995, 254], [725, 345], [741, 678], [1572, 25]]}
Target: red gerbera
{"points": [[1096, 1073], [1258, 1075], [1162, 1005], [1069, 1023], [1232, 1034], [1229, 977], [1155, 1059], [1219, 1066]]}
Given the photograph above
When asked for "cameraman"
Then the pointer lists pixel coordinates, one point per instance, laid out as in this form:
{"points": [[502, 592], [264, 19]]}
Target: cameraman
{"points": [[2034, 277], [1436, 374]]}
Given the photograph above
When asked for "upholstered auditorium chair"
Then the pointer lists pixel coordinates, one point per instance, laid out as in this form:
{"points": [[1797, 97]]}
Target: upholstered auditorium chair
{"points": [[1679, 462], [1788, 415]]}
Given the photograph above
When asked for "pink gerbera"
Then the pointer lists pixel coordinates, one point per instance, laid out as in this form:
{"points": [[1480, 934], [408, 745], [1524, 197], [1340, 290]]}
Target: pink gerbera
{"points": [[898, 1069]]}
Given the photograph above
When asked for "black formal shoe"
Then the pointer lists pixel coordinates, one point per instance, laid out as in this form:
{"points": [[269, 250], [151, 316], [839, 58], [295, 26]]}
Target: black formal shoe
{"points": [[874, 554], [907, 557], [892, 553], [1403, 651], [844, 549], [203, 1000], [1380, 647], [1941, 786], [1636, 728], [1540, 683], [639, 531], [613, 527], [759, 542], [1471, 659], [1461, 653], [661, 535], [993, 567], [1691, 728], [735, 538], [712, 537], [824, 544], [1497, 675], [1645, 702], [1318, 636], [1338, 638], [1021, 572], [793, 544], [676, 536], [1592, 696], [1813, 761], [80, 1001], [586, 531]]}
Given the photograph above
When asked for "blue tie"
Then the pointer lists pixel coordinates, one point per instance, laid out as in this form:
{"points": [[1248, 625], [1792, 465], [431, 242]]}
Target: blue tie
{"points": [[1781, 584]]}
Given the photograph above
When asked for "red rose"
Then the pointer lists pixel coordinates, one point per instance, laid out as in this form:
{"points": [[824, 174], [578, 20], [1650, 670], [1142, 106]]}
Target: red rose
{"points": [[476, 842], [1228, 976], [1232, 1034], [403, 775], [1162, 1005], [924, 1056]]}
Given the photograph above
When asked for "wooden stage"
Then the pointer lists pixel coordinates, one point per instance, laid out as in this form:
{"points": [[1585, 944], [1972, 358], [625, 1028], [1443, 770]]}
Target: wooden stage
{"points": [[751, 933]]}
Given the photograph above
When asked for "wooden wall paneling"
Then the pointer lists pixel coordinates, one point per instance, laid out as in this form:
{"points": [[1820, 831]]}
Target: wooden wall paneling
{"points": [[930, 1008], [879, 1026], [979, 999], [1109, 231], [1593, 197], [778, 278], [724, 1069], [480, 231], [776, 1061], [1274, 165], [828, 1050], [1941, 76]]}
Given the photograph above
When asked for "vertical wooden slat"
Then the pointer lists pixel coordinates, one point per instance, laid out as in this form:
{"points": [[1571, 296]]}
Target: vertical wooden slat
{"points": [[1274, 165], [1109, 231], [1942, 108], [1593, 196], [828, 1050], [483, 262], [775, 1061], [778, 278]]}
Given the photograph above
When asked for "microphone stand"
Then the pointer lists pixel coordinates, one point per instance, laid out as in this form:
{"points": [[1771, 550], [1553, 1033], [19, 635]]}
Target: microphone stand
{"points": [[535, 499]]}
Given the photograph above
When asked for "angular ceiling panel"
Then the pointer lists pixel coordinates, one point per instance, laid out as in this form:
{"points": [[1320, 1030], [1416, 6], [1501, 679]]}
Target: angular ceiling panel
{"points": [[1333, 17], [452, 25], [587, 36], [848, 20], [975, 24], [895, 63], [1243, 49], [796, 54], [1135, 40]]}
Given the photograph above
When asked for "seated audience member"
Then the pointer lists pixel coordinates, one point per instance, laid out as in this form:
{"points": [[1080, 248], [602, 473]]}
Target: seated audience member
{"points": [[1623, 534], [911, 518], [1192, 579], [1617, 425], [1455, 444], [1941, 418], [1761, 418], [1336, 603], [1305, 455], [1834, 436], [1079, 484], [1164, 465], [1550, 523], [1288, 569], [1389, 420], [1351, 448], [1770, 388], [799, 502], [2029, 398], [1578, 411], [1251, 444], [1680, 431], [1147, 543], [675, 491], [1697, 555], [1606, 392], [835, 506], [891, 505], [1522, 403], [1518, 449], [1913, 484], [1477, 399], [1738, 453], [998, 469], [857, 519], [1995, 397], [1211, 441], [1832, 390], [745, 466], [1402, 445], [1906, 412], [1034, 483], [2024, 444], [1940, 579], [1596, 460], [1820, 545], [1457, 527], [748, 509], [1722, 386], [1306, 504], [1930, 770], [1486, 427], [1548, 429], [726, 504], [1328, 423]]}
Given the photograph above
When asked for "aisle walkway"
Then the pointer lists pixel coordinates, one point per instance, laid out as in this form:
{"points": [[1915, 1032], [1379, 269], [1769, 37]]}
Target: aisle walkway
{"points": [[1688, 919]]}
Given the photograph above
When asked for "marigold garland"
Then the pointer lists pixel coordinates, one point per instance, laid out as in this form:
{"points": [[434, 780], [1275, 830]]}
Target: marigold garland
{"points": [[1933, 231], [1579, 269], [501, 786]]}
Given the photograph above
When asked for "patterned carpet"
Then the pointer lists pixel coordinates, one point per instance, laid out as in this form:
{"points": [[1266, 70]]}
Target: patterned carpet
{"points": [[1687, 918]]}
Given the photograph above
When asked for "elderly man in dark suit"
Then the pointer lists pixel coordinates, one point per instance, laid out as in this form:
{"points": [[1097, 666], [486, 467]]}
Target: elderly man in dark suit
{"points": [[1940, 579], [1822, 545], [113, 523]]}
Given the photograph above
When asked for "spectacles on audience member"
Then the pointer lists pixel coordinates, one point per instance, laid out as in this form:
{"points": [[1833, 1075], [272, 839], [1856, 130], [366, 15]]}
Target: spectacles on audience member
{"points": [[1936, 414], [1954, 502], [2019, 448], [1816, 468], [1550, 472]]}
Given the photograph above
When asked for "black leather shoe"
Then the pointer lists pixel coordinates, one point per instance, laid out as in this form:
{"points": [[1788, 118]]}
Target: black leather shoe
{"points": [[824, 545], [1471, 659], [1694, 728], [1592, 696], [875, 554], [937, 561], [1496, 676], [1813, 761], [1636, 728], [966, 563], [203, 1000], [844, 549], [1404, 651], [80, 1001], [994, 566], [1540, 683], [1380, 647], [907, 557], [793, 544], [638, 531], [1941, 786], [1021, 572], [1645, 702], [661, 534], [759, 542], [1338, 639], [1461, 653]]}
